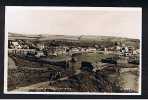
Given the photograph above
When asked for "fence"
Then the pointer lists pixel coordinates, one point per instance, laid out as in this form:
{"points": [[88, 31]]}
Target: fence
{"points": [[20, 51]]}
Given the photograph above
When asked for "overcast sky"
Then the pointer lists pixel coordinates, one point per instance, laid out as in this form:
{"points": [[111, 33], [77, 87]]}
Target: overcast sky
{"points": [[121, 22]]}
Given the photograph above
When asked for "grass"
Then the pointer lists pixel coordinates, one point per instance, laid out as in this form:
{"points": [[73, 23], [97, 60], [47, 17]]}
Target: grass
{"points": [[92, 57], [57, 57]]}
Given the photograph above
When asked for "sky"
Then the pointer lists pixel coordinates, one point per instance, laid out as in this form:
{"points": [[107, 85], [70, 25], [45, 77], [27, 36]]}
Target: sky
{"points": [[120, 22]]}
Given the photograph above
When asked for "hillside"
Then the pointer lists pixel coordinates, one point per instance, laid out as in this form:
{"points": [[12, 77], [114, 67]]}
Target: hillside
{"points": [[67, 37]]}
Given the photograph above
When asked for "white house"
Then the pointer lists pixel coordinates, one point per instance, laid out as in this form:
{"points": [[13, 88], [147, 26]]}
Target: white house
{"points": [[16, 45], [91, 50], [75, 50], [118, 48], [39, 54], [41, 46]]}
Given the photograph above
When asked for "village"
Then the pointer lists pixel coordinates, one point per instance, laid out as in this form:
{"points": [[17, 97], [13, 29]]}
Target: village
{"points": [[61, 57], [57, 47]]}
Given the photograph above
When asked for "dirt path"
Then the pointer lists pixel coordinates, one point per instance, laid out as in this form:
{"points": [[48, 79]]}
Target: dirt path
{"points": [[11, 63], [31, 87]]}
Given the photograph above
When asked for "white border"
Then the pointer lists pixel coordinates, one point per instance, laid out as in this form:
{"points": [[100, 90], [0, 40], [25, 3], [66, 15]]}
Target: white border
{"points": [[75, 8], [70, 8]]}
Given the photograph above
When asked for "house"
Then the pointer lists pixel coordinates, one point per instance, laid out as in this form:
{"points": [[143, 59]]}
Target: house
{"points": [[83, 49], [58, 50], [16, 45], [40, 46], [109, 50], [75, 50], [91, 50], [124, 51], [118, 48], [39, 54]]}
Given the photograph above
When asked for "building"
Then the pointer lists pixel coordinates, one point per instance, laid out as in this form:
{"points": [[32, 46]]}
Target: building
{"points": [[91, 50]]}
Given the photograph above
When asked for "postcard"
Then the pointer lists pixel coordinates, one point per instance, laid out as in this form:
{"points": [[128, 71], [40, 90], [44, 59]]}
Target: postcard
{"points": [[73, 50]]}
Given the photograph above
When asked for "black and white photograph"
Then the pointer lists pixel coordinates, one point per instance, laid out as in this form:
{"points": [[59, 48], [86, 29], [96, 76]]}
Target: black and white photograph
{"points": [[73, 50]]}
